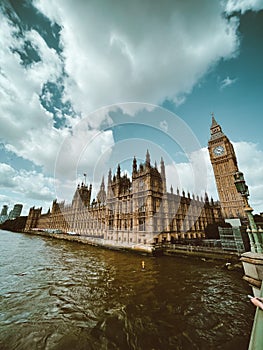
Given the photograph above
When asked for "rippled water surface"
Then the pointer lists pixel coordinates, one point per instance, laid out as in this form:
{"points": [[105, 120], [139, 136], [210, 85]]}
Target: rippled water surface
{"points": [[62, 295]]}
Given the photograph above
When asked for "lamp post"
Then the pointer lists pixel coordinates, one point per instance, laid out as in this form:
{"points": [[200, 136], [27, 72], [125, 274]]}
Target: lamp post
{"points": [[242, 188]]}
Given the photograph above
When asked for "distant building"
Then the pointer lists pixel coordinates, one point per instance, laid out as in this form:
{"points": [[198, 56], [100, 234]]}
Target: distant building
{"points": [[4, 210], [15, 212], [4, 215]]}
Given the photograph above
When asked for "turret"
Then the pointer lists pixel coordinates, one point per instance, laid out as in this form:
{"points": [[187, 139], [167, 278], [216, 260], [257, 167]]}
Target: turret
{"points": [[101, 197], [109, 177], [118, 172], [82, 196], [163, 176], [148, 160], [134, 166], [109, 189]]}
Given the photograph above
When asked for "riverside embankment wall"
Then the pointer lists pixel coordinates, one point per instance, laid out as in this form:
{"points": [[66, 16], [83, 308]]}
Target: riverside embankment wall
{"points": [[172, 250]]}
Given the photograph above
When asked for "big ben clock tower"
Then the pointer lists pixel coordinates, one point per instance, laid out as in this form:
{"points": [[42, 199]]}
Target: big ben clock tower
{"points": [[224, 162]]}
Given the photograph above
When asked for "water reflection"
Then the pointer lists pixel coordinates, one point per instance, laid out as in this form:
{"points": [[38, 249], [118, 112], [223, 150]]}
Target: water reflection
{"points": [[61, 295]]}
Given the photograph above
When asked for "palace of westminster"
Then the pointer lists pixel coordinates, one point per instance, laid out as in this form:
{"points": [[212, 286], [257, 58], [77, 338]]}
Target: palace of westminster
{"points": [[140, 210]]}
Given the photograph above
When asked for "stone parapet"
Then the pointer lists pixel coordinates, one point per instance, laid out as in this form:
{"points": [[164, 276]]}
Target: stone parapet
{"points": [[253, 268], [97, 241], [203, 252]]}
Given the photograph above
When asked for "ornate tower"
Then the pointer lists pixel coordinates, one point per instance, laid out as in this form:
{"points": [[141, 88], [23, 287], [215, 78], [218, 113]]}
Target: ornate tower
{"points": [[101, 197], [82, 196], [224, 162]]}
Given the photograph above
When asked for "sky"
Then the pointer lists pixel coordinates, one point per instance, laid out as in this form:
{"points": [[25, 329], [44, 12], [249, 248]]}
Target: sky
{"points": [[85, 85]]}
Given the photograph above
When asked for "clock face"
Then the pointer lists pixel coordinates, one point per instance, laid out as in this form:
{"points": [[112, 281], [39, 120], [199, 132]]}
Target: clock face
{"points": [[218, 150]]}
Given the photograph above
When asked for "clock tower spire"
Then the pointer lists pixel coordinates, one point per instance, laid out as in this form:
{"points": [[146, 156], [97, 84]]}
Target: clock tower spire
{"points": [[224, 163], [215, 130]]}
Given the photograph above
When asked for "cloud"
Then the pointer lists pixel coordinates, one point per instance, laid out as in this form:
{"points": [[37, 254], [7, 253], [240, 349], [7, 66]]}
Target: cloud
{"points": [[35, 185], [186, 175], [6, 176], [30, 184], [250, 162], [27, 187], [164, 125], [4, 199], [227, 82], [243, 5], [81, 150], [138, 51], [250, 158], [106, 56], [26, 127]]}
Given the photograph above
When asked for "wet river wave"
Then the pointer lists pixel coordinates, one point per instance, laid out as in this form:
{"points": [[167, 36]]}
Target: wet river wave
{"points": [[64, 295]]}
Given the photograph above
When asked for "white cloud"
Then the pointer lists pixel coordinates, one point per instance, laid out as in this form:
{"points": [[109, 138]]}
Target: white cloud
{"points": [[34, 185], [26, 127], [30, 184], [50, 66], [138, 51], [4, 199], [6, 176], [227, 82], [81, 150], [164, 125], [108, 56], [250, 160], [27, 187], [243, 5], [195, 176]]}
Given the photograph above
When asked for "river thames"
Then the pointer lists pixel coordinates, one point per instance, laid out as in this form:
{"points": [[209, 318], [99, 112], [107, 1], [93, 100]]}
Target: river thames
{"points": [[63, 295]]}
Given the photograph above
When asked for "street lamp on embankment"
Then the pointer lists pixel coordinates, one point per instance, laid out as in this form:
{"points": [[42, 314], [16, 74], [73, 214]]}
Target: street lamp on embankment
{"points": [[252, 263], [254, 234]]}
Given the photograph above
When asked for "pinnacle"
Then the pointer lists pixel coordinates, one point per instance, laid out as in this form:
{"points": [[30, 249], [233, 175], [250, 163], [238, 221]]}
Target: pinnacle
{"points": [[214, 122]]}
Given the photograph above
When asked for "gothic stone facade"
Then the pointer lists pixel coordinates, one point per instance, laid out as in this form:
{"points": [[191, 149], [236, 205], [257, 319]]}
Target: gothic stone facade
{"points": [[132, 211]]}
